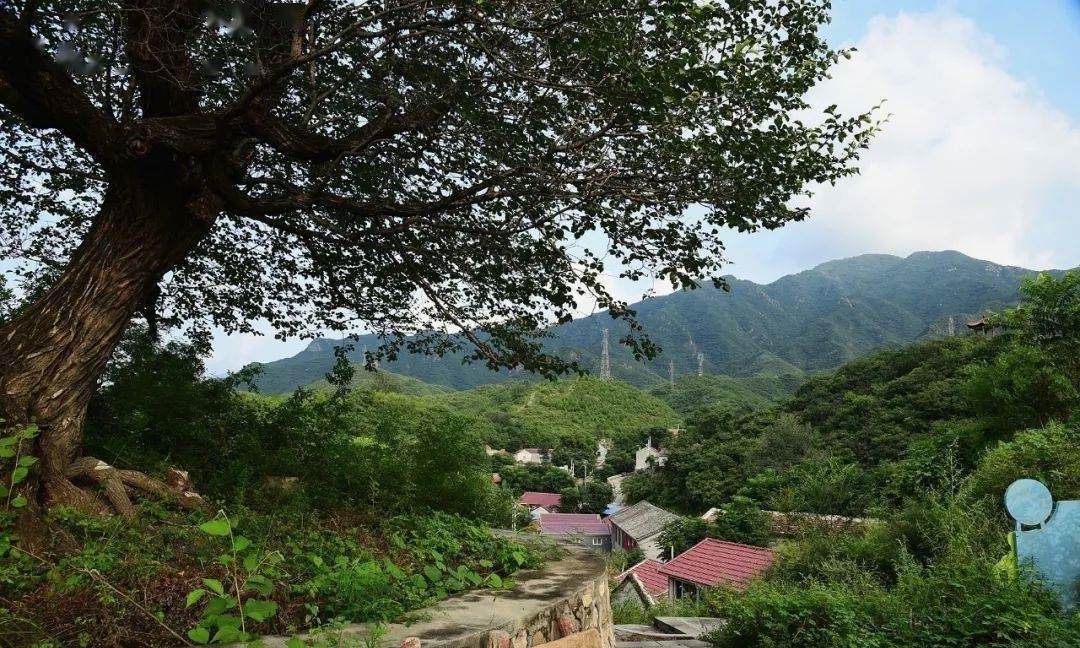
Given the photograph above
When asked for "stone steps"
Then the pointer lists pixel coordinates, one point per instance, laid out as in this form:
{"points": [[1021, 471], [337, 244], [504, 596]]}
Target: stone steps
{"points": [[666, 632]]}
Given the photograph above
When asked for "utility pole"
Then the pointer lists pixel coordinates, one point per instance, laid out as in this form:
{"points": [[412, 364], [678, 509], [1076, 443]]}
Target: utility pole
{"points": [[605, 359], [700, 364], [671, 374]]}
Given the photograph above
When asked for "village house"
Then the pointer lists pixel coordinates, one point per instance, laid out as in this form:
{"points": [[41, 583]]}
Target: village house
{"points": [[714, 563], [586, 529], [642, 585], [540, 503], [638, 526], [647, 455], [529, 455]]}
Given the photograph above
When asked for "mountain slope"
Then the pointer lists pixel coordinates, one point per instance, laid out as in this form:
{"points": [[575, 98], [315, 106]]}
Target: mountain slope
{"points": [[810, 321]]}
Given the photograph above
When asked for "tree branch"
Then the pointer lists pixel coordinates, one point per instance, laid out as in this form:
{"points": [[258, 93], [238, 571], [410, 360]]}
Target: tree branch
{"points": [[43, 95]]}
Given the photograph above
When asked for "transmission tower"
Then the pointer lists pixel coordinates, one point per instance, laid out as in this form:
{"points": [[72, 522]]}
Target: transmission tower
{"points": [[701, 364], [952, 326], [671, 373], [605, 359]]}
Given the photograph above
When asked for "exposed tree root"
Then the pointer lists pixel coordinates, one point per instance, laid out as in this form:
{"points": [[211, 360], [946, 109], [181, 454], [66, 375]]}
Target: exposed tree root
{"points": [[118, 487]]}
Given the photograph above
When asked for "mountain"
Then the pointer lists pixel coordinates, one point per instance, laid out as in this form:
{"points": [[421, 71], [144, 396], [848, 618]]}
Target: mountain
{"points": [[810, 321]]}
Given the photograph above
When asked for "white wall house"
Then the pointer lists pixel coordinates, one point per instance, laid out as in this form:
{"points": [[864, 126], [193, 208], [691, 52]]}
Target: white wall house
{"points": [[642, 456], [529, 455]]}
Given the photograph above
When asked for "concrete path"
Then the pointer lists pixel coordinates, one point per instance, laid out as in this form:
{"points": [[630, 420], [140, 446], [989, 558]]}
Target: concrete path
{"points": [[693, 626], [666, 632]]}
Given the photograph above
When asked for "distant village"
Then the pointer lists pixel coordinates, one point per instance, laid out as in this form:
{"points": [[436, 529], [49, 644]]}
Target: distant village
{"points": [[636, 529]]}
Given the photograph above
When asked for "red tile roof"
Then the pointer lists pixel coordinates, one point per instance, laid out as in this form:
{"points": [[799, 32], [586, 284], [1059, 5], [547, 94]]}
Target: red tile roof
{"points": [[573, 523], [647, 573], [547, 500], [716, 562]]}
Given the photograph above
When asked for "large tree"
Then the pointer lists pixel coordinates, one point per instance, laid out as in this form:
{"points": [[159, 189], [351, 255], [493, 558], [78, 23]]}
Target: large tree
{"points": [[410, 166]]}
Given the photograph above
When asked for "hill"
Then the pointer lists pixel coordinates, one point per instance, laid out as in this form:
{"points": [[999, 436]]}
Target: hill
{"points": [[810, 321], [382, 381], [548, 413]]}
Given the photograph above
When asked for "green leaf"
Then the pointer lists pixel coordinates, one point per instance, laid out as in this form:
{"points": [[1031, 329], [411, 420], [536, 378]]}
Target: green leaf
{"points": [[433, 574], [259, 610], [495, 580], [219, 604], [227, 621], [8, 441], [228, 634], [18, 502], [19, 474], [519, 557], [6, 452], [260, 584], [193, 597], [251, 562], [199, 635], [240, 543], [294, 642], [219, 527], [214, 585], [486, 564], [393, 570], [26, 462]]}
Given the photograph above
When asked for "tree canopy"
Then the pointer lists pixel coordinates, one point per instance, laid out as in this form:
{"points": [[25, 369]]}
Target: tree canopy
{"points": [[419, 166]]}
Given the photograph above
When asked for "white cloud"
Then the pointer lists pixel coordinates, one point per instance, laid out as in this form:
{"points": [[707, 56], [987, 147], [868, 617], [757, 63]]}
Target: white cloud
{"points": [[967, 157]]}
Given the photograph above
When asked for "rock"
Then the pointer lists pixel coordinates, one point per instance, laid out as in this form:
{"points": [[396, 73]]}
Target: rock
{"points": [[411, 642], [566, 624], [498, 639], [587, 639]]}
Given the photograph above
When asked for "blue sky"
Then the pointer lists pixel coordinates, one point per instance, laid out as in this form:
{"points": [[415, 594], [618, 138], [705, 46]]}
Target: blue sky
{"points": [[981, 154]]}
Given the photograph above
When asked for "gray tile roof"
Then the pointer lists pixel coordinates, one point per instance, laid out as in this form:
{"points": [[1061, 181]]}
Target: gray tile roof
{"points": [[642, 520]]}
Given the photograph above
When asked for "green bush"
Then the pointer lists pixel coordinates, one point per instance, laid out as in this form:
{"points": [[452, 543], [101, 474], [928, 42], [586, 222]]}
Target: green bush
{"points": [[1047, 454]]}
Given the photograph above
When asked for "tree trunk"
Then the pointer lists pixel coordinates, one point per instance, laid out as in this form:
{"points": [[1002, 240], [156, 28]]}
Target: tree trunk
{"points": [[53, 354]]}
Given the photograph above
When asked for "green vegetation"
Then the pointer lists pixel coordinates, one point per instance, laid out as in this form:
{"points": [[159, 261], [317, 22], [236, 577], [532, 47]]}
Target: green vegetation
{"points": [[925, 440], [580, 410], [146, 580], [694, 393], [353, 505]]}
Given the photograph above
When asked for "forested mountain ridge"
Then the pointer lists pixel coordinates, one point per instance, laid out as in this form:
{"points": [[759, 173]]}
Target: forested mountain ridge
{"points": [[813, 320]]}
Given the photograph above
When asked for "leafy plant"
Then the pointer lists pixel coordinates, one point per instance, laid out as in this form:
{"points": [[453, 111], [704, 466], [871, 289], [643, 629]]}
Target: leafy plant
{"points": [[13, 446], [230, 607]]}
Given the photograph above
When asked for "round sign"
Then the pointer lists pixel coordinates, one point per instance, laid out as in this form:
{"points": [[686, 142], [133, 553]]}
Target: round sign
{"points": [[1029, 501]]}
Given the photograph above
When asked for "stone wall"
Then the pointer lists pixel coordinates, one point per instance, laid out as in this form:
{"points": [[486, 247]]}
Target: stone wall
{"points": [[566, 601], [567, 597]]}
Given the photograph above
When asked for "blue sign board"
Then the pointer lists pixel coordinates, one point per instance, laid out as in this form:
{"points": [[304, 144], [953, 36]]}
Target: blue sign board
{"points": [[1047, 537]]}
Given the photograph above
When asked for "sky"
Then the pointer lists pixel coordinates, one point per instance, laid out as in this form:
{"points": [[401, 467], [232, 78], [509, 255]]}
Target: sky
{"points": [[980, 153]]}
